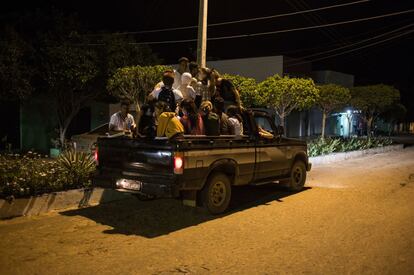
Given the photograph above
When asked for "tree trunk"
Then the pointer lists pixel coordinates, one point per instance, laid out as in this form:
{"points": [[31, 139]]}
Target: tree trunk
{"points": [[64, 123], [138, 115], [323, 125], [369, 126], [62, 135], [282, 121]]}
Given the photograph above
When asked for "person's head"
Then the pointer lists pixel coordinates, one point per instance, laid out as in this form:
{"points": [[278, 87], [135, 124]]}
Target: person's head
{"points": [[168, 78], [206, 107], [161, 107], [188, 107], [193, 68], [234, 111], [183, 64], [215, 75], [147, 110], [125, 108], [186, 79], [219, 105], [205, 74]]}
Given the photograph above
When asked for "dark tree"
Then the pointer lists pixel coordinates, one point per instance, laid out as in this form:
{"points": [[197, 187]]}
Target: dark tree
{"points": [[15, 70]]}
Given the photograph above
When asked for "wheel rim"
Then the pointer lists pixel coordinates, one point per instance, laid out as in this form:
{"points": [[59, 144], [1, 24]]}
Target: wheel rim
{"points": [[218, 193], [297, 175]]}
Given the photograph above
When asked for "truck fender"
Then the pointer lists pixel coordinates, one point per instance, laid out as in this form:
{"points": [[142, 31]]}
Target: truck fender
{"points": [[302, 156], [225, 166]]}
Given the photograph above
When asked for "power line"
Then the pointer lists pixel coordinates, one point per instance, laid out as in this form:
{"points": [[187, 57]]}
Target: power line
{"points": [[347, 38], [297, 5], [359, 42], [281, 31], [353, 50], [242, 20]]}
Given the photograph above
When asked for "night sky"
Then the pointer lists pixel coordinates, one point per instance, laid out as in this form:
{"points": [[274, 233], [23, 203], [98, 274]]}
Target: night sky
{"points": [[390, 62]]}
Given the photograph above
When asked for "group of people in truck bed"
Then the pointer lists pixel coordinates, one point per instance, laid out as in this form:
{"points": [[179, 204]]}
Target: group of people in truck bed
{"points": [[188, 101]]}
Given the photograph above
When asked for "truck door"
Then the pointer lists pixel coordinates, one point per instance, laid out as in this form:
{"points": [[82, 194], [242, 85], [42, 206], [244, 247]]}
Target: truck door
{"points": [[271, 153]]}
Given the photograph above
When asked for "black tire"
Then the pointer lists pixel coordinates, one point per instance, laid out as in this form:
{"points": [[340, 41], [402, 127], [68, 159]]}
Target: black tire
{"points": [[297, 176], [216, 194]]}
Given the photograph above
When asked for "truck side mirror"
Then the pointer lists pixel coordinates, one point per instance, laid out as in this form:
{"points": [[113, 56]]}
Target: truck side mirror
{"points": [[280, 130]]}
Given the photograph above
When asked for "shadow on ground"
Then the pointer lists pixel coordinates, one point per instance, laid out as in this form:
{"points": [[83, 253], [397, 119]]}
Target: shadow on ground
{"points": [[151, 219]]}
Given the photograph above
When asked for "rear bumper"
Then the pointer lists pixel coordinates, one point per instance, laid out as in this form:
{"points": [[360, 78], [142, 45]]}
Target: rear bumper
{"points": [[157, 188]]}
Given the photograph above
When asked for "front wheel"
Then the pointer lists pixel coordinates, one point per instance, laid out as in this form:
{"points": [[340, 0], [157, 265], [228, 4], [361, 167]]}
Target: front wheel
{"points": [[297, 176], [216, 193]]}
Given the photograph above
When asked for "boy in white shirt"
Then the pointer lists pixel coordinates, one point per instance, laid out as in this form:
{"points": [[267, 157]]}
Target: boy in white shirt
{"points": [[122, 120]]}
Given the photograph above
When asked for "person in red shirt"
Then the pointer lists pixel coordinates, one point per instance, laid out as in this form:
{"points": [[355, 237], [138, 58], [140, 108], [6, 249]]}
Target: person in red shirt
{"points": [[191, 119]]}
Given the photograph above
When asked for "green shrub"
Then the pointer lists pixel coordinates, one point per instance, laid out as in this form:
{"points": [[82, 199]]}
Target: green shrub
{"points": [[32, 174], [78, 167], [332, 145], [28, 174]]}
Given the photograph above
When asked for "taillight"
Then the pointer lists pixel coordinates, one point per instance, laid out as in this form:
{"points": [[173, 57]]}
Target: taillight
{"points": [[96, 156], [178, 164]]}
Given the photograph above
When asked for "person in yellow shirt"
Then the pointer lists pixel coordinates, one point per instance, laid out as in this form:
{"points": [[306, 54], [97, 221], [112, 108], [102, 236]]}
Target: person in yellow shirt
{"points": [[168, 124]]}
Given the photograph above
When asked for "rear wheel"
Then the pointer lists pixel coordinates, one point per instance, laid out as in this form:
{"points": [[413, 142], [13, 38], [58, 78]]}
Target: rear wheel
{"points": [[297, 176], [216, 193]]}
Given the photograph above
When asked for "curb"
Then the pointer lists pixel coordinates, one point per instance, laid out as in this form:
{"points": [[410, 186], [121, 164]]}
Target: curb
{"points": [[335, 157], [76, 198]]}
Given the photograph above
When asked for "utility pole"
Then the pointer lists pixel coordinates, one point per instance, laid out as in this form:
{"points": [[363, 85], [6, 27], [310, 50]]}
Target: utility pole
{"points": [[202, 34]]}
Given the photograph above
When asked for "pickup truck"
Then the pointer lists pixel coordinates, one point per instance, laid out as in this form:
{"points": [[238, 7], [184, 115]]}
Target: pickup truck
{"points": [[201, 170]]}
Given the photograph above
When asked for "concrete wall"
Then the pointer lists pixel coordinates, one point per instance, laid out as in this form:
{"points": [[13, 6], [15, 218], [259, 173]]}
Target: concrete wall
{"points": [[38, 120], [37, 123], [56, 201], [296, 67], [257, 67], [326, 77]]}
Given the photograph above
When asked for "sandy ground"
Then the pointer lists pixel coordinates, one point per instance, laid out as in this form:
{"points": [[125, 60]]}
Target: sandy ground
{"points": [[356, 216]]}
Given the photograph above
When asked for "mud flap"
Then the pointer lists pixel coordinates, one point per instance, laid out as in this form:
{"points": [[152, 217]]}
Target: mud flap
{"points": [[189, 198]]}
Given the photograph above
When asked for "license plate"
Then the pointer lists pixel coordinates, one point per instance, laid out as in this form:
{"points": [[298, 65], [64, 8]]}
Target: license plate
{"points": [[129, 184]]}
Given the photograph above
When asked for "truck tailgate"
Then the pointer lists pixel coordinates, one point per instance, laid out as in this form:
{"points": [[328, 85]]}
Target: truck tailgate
{"points": [[148, 162]]}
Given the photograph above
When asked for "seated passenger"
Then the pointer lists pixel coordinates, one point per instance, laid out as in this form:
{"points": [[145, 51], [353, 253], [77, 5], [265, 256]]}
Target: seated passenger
{"points": [[186, 89], [191, 120], [167, 93], [168, 124], [235, 120], [264, 134], [146, 124], [122, 121], [224, 119], [210, 119]]}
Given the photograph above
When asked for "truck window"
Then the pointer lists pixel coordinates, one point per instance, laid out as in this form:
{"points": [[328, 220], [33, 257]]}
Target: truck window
{"points": [[264, 123]]}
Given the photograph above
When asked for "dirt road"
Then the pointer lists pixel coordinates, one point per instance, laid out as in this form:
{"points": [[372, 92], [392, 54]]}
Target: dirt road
{"points": [[356, 216]]}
